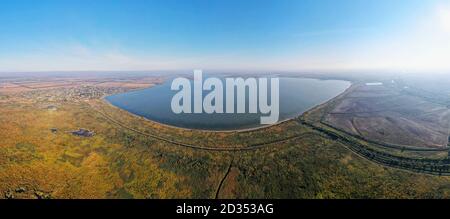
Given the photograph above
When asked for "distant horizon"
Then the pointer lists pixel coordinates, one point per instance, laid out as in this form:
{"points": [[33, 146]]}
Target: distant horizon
{"points": [[303, 73]]}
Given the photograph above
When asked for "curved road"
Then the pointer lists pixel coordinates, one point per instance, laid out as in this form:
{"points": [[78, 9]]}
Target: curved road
{"points": [[245, 148], [370, 156]]}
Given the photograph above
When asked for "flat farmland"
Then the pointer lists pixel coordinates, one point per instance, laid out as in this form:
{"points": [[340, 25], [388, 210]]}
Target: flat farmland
{"points": [[39, 84], [388, 114], [131, 157]]}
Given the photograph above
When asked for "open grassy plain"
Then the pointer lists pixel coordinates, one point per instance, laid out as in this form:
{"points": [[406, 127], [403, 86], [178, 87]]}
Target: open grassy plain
{"points": [[130, 157]]}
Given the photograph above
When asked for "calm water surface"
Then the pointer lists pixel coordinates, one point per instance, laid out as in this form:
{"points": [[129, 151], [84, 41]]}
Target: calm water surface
{"points": [[297, 95]]}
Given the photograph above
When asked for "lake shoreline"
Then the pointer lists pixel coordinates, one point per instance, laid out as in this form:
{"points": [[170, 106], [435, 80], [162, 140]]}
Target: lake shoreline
{"points": [[237, 130]]}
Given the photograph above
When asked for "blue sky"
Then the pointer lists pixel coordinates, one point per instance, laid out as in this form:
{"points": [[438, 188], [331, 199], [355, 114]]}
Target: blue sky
{"points": [[224, 34]]}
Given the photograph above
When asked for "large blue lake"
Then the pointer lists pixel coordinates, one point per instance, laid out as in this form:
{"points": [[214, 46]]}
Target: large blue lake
{"points": [[297, 95]]}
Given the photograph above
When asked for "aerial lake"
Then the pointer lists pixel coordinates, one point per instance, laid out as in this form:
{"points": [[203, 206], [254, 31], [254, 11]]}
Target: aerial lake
{"points": [[297, 95]]}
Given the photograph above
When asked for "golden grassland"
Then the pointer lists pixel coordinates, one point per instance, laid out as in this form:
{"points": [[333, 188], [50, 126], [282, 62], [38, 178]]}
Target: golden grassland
{"points": [[118, 162]]}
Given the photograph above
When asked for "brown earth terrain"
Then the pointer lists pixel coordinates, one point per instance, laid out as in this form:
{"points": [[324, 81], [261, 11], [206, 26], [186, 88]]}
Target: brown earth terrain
{"points": [[60, 139], [388, 114], [23, 85]]}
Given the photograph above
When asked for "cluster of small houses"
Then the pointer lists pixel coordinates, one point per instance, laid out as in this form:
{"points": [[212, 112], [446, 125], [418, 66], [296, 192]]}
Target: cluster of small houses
{"points": [[80, 132], [83, 133]]}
